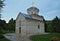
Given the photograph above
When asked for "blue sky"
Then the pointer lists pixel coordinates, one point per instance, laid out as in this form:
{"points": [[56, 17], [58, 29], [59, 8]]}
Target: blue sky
{"points": [[48, 8]]}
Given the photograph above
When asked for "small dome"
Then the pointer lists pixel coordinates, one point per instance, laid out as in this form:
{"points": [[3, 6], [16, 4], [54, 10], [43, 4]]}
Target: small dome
{"points": [[33, 8]]}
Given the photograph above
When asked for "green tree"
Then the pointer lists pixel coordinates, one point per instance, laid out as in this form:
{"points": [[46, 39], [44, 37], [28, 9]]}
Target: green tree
{"points": [[45, 25], [48, 25], [11, 25], [2, 26], [1, 6], [56, 24]]}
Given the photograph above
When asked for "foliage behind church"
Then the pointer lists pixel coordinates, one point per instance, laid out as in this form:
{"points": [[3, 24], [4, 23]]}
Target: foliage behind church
{"points": [[9, 27], [50, 26]]}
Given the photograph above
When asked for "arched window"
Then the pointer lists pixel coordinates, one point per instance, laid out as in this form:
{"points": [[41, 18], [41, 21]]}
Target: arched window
{"points": [[19, 29], [31, 12]]}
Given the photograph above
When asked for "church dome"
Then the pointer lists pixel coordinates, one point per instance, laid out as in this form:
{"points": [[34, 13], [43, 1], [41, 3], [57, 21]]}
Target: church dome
{"points": [[33, 10]]}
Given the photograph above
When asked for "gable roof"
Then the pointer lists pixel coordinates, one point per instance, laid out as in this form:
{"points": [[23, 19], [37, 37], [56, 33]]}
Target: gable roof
{"points": [[25, 15], [29, 16]]}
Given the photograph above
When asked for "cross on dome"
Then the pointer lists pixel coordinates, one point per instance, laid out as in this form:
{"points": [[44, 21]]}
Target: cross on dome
{"points": [[33, 3]]}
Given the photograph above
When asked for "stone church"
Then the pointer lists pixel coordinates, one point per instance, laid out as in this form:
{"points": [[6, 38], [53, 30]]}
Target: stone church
{"points": [[31, 23]]}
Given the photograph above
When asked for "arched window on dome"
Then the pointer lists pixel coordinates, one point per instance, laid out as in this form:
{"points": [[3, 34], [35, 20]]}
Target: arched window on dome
{"points": [[31, 12]]}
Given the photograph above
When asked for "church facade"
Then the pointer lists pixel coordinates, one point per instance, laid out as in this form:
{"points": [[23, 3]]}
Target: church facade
{"points": [[31, 23]]}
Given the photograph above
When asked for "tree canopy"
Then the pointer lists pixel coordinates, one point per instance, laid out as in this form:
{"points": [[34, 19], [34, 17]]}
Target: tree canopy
{"points": [[1, 6], [56, 24], [7, 27], [11, 25], [52, 25]]}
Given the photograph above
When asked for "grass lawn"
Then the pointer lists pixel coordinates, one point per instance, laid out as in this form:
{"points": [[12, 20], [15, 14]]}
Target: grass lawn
{"points": [[2, 38], [44, 37]]}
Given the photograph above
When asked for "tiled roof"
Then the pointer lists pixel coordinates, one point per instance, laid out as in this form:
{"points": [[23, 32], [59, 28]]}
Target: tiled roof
{"points": [[27, 16], [30, 17]]}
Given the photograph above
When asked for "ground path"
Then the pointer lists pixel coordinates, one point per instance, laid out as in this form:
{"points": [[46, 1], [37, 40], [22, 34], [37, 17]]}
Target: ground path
{"points": [[12, 37]]}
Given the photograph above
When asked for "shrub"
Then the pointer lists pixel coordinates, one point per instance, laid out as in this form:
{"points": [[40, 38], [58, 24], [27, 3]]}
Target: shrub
{"points": [[1, 31], [54, 39], [1, 36]]}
